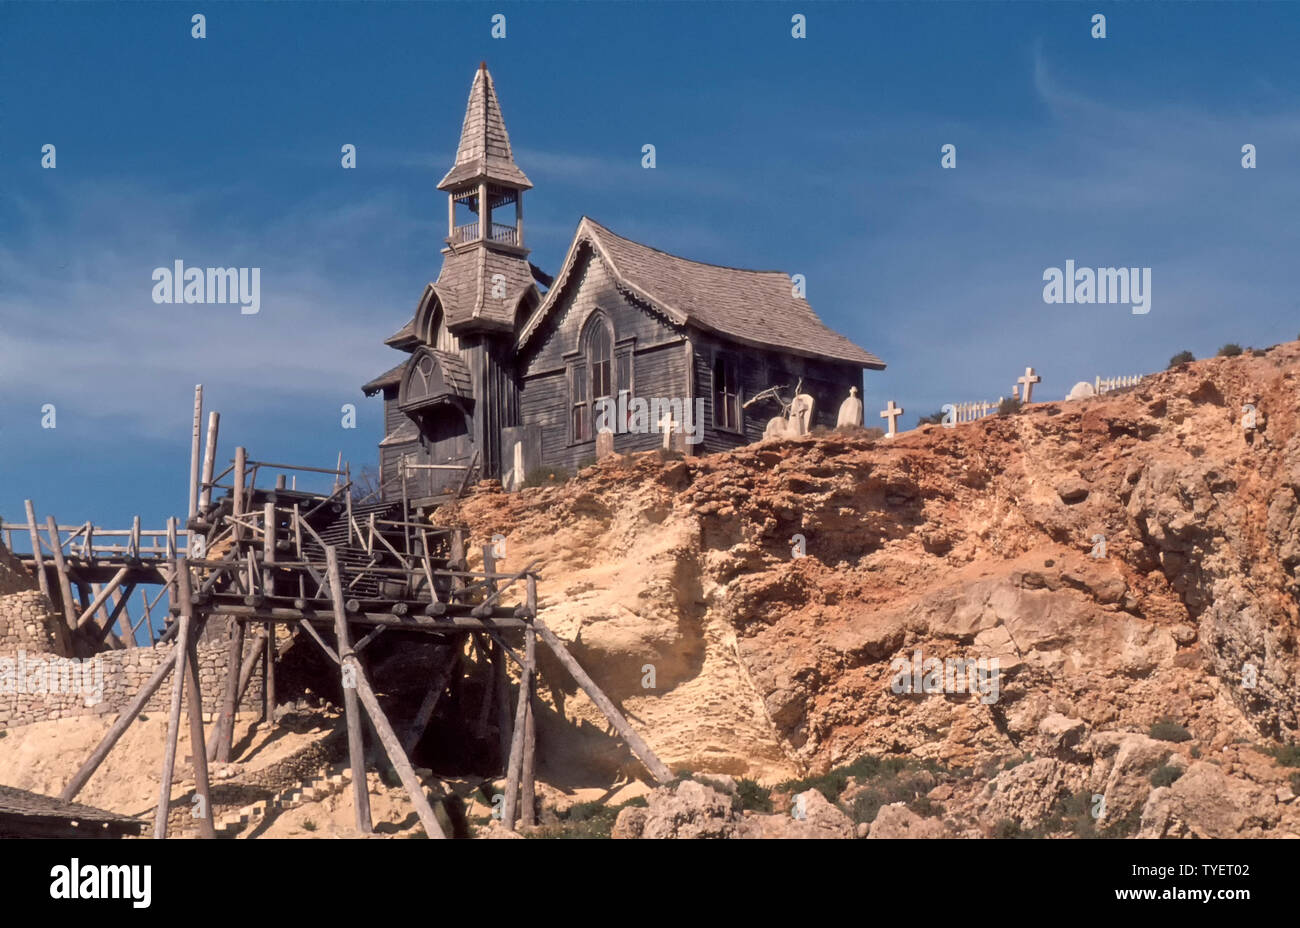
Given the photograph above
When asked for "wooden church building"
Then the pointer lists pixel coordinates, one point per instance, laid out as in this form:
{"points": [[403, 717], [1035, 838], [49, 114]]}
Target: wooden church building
{"points": [[513, 369]]}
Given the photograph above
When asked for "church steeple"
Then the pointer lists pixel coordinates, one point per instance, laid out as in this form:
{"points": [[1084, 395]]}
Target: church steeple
{"points": [[485, 177]]}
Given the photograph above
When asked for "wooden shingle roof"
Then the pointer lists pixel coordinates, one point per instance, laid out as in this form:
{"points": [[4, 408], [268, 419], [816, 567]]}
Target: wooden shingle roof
{"points": [[389, 378], [750, 307], [32, 814], [484, 150], [467, 286]]}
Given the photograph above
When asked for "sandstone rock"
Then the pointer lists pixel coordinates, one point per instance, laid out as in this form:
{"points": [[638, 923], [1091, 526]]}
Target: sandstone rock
{"points": [[1025, 794], [898, 821], [1061, 733], [1072, 490], [820, 819], [690, 810]]}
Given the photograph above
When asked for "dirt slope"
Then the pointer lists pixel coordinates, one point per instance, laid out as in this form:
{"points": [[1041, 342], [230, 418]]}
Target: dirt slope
{"points": [[972, 542]]}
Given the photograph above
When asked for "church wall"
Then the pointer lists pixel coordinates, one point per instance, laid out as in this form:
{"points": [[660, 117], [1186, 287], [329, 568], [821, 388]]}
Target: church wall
{"points": [[659, 364], [827, 381]]}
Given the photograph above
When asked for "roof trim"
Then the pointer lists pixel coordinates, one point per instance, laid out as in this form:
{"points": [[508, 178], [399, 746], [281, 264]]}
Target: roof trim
{"points": [[589, 232]]}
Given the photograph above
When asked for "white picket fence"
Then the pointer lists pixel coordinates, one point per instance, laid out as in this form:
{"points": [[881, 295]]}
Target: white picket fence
{"points": [[1106, 384], [969, 412]]}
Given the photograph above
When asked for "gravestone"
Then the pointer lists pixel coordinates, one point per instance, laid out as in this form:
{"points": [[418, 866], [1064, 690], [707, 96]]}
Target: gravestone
{"points": [[604, 444], [850, 410]]}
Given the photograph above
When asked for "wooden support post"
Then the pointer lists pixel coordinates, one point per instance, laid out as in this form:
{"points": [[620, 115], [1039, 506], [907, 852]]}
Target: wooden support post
{"points": [[223, 733], [198, 749], [241, 464], [124, 720], [43, 580], [356, 747], [505, 733], [268, 585], [268, 673], [70, 611], [179, 567], [515, 766], [194, 450], [209, 459], [527, 785], [122, 612], [388, 738], [638, 746]]}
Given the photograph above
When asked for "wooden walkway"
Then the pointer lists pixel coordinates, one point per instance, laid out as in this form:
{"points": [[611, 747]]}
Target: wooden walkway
{"points": [[333, 571]]}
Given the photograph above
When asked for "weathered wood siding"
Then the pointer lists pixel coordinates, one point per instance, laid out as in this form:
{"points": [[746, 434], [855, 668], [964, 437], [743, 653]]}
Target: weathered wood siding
{"points": [[827, 381], [658, 362]]}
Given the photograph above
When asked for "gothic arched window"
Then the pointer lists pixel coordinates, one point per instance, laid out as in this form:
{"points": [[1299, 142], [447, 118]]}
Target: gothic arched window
{"points": [[591, 376]]}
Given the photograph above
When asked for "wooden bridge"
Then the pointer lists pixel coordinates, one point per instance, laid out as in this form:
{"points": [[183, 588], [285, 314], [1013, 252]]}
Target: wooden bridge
{"points": [[328, 568]]}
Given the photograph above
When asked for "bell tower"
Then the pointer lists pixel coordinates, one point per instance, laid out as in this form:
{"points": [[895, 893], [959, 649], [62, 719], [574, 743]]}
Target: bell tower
{"points": [[485, 188]]}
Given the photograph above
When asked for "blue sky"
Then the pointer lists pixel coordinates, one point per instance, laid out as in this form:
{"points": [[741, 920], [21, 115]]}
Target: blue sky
{"points": [[817, 156]]}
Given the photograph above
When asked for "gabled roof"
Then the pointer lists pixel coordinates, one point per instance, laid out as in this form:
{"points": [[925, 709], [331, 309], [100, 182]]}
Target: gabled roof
{"points": [[404, 338], [484, 150], [751, 307], [389, 378]]}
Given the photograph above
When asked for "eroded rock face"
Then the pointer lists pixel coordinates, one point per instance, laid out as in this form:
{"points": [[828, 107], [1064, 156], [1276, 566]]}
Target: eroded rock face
{"points": [[1124, 558]]}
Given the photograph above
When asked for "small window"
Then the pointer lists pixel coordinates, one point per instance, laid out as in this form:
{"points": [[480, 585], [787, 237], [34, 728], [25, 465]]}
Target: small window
{"points": [[580, 420], [726, 394]]}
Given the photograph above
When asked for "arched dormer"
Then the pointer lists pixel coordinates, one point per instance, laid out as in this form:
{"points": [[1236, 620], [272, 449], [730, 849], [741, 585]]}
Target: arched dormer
{"points": [[431, 323], [435, 382]]}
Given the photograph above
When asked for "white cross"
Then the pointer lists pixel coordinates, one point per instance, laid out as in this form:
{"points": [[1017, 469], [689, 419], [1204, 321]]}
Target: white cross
{"points": [[668, 426], [1029, 379], [891, 413]]}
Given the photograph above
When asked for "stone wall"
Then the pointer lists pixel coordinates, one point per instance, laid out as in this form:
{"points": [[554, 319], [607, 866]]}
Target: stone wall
{"points": [[37, 687], [27, 623], [38, 684]]}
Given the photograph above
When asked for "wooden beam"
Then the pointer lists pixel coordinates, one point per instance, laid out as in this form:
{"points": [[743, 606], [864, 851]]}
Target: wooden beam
{"points": [[43, 580], [198, 749], [223, 732], [356, 746], [70, 612], [396, 756], [603, 702], [527, 785], [194, 450], [515, 764], [101, 597], [178, 691], [124, 720], [209, 459]]}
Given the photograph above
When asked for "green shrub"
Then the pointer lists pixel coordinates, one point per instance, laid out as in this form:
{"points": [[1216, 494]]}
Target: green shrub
{"points": [[935, 418], [1165, 775], [1167, 729], [1288, 755], [751, 796], [308, 825], [1009, 406], [1183, 357], [1230, 350]]}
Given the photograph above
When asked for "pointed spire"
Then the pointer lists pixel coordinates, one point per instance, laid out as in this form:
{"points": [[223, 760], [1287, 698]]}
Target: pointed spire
{"points": [[484, 150]]}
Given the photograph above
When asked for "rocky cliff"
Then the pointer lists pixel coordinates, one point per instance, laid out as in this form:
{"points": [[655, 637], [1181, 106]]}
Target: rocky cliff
{"points": [[1127, 564]]}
